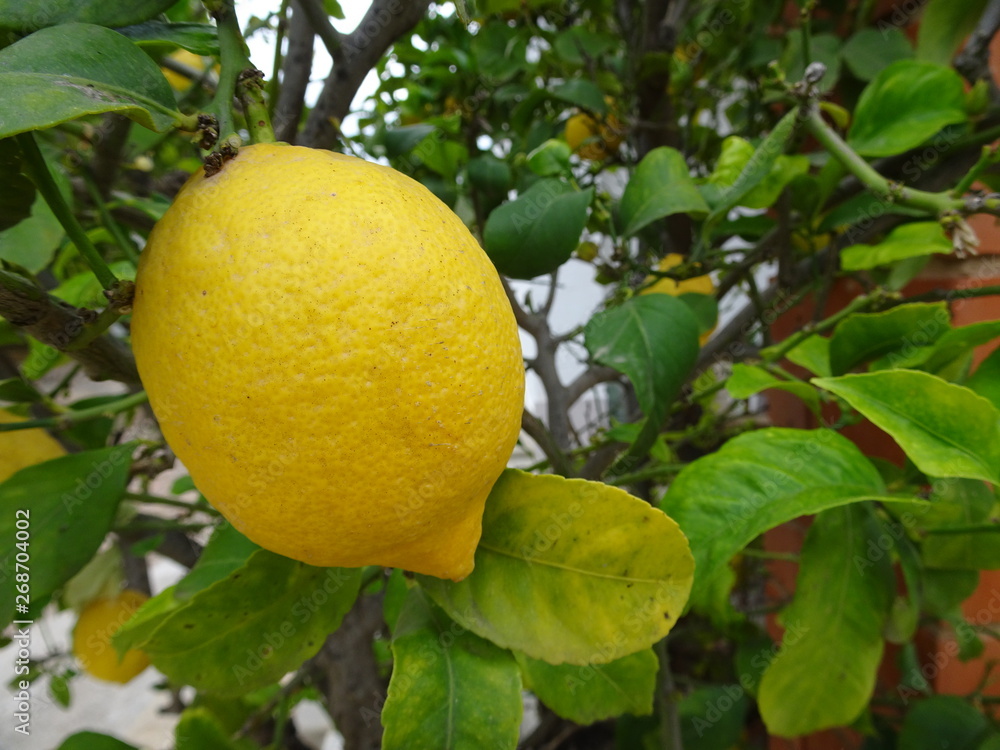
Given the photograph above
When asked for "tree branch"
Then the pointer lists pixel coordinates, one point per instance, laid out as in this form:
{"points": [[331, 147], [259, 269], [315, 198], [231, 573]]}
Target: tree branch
{"points": [[973, 61], [533, 426], [294, 75], [384, 23], [588, 379], [332, 39]]}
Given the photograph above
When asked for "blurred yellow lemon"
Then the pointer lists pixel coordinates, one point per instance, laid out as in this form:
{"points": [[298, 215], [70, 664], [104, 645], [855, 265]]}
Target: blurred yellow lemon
{"points": [[24, 448], [100, 620]]}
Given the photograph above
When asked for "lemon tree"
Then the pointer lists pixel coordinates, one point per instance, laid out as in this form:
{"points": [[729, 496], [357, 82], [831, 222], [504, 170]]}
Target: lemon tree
{"points": [[459, 399]]}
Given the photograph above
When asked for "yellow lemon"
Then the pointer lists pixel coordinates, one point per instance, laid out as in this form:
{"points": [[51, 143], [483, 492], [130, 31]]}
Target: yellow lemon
{"points": [[696, 285], [592, 139], [100, 620], [24, 448], [331, 354], [180, 82]]}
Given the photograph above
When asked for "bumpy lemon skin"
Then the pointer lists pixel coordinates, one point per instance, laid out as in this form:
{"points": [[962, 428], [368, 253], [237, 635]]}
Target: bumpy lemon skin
{"points": [[332, 356], [100, 620], [24, 448]]}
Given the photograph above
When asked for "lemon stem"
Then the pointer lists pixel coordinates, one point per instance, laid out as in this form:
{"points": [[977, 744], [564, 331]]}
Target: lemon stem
{"points": [[237, 78], [39, 172], [62, 421]]}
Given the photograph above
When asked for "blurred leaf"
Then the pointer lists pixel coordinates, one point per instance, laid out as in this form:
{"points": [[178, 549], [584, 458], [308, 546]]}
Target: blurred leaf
{"points": [[951, 353], [944, 590], [28, 15], [449, 688], [945, 429], [759, 480], [32, 242], [539, 230], [986, 379], [813, 354], [833, 643], [960, 503], [823, 48], [870, 51], [585, 694], [905, 241], [712, 718], [399, 141], [747, 380], [332, 8], [93, 741], [863, 337], [943, 721], [70, 504], [577, 44], [246, 630], [583, 94], [109, 74], [17, 191], [943, 28], [570, 571], [551, 158], [199, 729], [18, 391], [100, 577], [904, 106], [660, 186]]}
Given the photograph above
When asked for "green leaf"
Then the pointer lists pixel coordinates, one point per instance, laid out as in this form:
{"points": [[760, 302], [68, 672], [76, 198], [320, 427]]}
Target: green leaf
{"points": [[833, 644], [712, 718], [31, 243], [27, 15], [109, 74], [783, 171], [653, 340], [986, 379], [583, 94], [905, 241], [199, 729], [594, 692], [759, 480], [93, 741], [705, 309], [747, 380], [576, 42], [64, 508], [757, 168], [551, 158], [951, 353], [943, 721], [823, 48], [870, 51], [538, 232], [17, 192], [226, 552], [863, 337], [449, 688], [813, 354], [490, 174], [199, 38], [956, 504], [570, 571], [945, 429], [247, 630], [944, 590], [660, 186], [332, 8], [905, 105], [18, 391], [943, 28]]}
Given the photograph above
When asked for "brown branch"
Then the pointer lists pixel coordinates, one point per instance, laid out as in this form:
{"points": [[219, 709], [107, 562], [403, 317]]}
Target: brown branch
{"points": [[295, 74], [973, 61], [58, 324], [533, 426], [332, 39], [384, 23], [588, 379]]}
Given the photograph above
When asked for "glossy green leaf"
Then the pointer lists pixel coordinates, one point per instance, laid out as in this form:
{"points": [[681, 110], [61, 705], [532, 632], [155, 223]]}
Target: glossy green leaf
{"points": [[986, 379], [594, 692], [736, 155], [905, 105], [833, 629], [570, 571], [199, 38], [946, 429], [246, 630], [31, 243], [538, 232], [66, 507], [93, 741], [951, 354], [109, 74], [660, 186], [813, 354], [905, 241], [226, 552], [870, 51], [759, 480], [551, 158], [943, 721], [449, 687], [757, 168], [863, 337], [747, 380], [944, 26], [958, 504], [27, 15], [712, 718]]}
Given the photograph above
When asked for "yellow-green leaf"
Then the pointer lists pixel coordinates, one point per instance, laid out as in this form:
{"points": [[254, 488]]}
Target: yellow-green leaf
{"points": [[570, 571]]}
